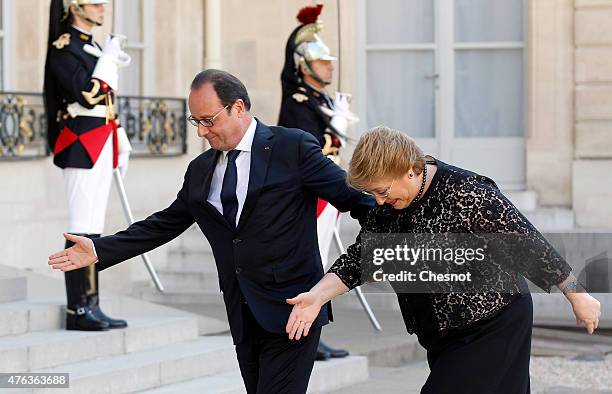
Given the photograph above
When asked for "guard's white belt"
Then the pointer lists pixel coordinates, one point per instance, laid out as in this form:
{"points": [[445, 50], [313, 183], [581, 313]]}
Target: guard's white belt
{"points": [[75, 109]]}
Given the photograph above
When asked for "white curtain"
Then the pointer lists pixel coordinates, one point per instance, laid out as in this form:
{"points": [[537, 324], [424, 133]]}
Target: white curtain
{"points": [[2, 33], [488, 20], [399, 21], [489, 82], [400, 87], [131, 15], [489, 93], [400, 95]]}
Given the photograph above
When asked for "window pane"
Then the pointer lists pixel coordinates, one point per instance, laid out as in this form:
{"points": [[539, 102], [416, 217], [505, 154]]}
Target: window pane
{"points": [[131, 17], [400, 21], [130, 76], [488, 20], [489, 93], [1, 15], [401, 91], [1, 63]]}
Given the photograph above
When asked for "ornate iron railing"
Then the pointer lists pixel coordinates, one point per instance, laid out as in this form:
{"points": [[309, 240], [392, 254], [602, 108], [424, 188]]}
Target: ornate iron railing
{"points": [[156, 126], [23, 126]]}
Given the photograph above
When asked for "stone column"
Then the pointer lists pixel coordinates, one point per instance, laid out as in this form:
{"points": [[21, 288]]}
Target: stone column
{"points": [[592, 167], [550, 80]]}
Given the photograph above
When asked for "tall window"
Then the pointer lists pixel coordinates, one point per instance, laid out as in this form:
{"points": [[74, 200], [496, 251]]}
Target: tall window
{"points": [[400, 61], [2, 45], [489, 68], [131, 22], [451, 74]]}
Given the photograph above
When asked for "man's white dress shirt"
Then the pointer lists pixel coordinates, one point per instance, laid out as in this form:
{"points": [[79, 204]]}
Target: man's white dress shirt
{"points": [[243, 165]]}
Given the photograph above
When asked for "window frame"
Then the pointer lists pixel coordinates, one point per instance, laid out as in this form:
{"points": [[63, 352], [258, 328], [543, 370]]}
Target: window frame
{"points": [[7, 37], [145, 47]]}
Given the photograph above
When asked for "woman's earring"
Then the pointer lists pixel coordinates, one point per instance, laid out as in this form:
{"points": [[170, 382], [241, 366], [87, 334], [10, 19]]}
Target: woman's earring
{"points": [[411, 175]]}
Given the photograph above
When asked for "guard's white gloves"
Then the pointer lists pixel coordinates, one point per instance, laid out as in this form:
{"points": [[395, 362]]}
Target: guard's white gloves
{"points": [[111, 59], [124, 149], [341, 116]]}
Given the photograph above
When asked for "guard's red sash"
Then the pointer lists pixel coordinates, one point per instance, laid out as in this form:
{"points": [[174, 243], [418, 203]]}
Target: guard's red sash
{"points": [[93, 141]]}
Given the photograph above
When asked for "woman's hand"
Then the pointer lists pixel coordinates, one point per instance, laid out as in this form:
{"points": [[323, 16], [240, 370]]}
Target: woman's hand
{"points": [[306, 307], [587, 310]]}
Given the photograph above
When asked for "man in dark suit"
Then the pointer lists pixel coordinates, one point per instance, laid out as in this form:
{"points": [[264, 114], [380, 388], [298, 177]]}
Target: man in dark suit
{"points": [[254, 196]]}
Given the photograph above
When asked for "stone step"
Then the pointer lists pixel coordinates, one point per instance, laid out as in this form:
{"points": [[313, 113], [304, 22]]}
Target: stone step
{"points": [[193, 260], [326, 376], [29, 316], [552, 219], [377, 301], [553, 310], [126, 373], [176, 280], [13, 288], [207, 325], [523, 200], [185, 296], [45, 349]]}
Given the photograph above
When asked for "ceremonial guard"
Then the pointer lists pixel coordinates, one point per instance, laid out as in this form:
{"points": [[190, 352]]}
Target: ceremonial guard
{"points": [[306, 105], [84, 137]]}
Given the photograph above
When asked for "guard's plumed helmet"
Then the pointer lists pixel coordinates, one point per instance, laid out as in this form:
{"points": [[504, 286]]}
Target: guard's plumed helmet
{"points": [[308, 45], [77, 4]]}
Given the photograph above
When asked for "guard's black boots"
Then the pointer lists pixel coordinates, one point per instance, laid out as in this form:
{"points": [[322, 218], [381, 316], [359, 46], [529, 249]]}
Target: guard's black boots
{"points": [[93, 302], [333, 353], [322, 355], [81, 318], [83, 311]]}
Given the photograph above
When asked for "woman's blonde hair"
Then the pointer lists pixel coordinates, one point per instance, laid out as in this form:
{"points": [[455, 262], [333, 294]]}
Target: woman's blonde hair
{"points": [[382, 153]]}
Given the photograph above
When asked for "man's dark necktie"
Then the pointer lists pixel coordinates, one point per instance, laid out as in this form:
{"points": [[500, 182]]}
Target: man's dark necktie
{"points": [[228, 190]]}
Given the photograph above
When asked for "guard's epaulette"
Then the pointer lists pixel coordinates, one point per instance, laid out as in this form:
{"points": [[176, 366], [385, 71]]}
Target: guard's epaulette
{"points": [[62, 41], [299, 97]]}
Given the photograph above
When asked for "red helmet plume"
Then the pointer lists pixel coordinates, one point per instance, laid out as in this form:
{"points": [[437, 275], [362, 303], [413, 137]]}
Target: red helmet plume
{"points": [[309, 14]]}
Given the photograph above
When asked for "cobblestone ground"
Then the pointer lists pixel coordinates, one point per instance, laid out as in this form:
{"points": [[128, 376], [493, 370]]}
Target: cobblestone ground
{"points": [[549, 375], [570, 373]]}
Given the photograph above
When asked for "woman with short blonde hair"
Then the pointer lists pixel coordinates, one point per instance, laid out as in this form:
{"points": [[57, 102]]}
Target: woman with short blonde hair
{"points": [[476, 341], [383, 153]]}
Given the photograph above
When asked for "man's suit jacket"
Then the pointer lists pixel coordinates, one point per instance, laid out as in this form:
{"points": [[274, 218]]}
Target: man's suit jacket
{"points": [[273, 254]]}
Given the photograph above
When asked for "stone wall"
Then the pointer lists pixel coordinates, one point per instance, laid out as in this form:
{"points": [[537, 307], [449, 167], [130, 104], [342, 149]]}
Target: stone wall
{"points": [[592, 167]]}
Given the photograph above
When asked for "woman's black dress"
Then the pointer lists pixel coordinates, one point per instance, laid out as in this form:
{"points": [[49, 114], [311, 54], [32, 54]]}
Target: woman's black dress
{"points": [[476, 342]]}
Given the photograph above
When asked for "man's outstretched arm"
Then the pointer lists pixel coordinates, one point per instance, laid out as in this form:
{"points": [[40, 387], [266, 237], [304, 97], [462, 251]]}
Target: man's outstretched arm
{"points": [[140, 237]]}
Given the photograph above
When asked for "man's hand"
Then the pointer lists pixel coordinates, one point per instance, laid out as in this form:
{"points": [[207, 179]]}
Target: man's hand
{"points": [[80, 255], [306, 307]]}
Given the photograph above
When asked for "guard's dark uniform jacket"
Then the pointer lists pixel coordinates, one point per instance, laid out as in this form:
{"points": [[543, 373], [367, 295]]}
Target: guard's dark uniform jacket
{"points": [[302, 110], [75, 142]]}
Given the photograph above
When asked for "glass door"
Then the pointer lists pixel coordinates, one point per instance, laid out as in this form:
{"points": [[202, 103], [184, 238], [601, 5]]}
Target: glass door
{"points": [[450, 73], [489, 92], [401, 74]]}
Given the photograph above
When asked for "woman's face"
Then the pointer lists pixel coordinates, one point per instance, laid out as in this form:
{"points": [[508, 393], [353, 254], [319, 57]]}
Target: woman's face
{"points": [[397, 192]]}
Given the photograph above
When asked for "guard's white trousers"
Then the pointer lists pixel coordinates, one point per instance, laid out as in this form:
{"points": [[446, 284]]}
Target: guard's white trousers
{"points": [[87, 193], [327, 220]]}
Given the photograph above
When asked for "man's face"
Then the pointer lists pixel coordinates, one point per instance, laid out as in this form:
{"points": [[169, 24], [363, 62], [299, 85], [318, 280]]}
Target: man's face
{"points": [[324, 69], [94, 12], [227, 130]]}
